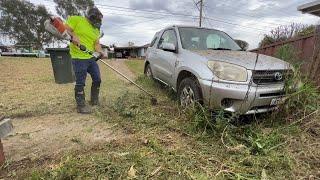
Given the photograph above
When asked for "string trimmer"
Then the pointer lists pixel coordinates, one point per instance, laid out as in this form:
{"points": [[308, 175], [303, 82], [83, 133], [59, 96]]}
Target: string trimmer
{"points": [[56, 27]]}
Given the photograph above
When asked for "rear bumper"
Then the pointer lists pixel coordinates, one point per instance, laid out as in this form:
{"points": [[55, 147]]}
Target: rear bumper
{"points": [[241, 98]]}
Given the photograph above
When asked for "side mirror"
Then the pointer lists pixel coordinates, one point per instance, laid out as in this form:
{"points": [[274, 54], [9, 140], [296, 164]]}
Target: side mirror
{"points": [[243, 44], [168, 47]]}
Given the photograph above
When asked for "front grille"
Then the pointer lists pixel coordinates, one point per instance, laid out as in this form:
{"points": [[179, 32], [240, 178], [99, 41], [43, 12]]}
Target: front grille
{"points": [[271, 76]]}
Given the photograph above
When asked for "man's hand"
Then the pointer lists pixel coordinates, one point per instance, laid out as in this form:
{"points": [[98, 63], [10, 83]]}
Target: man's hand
{"points": [[103, 55], [75, 40]]}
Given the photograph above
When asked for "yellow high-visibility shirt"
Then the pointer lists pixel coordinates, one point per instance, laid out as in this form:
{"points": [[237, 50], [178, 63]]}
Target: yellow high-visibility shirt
{"points": [[87, 34]]}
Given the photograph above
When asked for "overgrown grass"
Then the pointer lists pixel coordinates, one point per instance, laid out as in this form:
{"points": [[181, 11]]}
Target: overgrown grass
{"points": [[166, 142], [303, 97], [183, 145]]}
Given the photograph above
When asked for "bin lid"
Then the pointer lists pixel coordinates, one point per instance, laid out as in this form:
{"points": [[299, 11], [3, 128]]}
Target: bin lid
{"points": [[57, 49]]}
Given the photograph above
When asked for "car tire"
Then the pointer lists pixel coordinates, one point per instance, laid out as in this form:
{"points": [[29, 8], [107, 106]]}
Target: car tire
{"points": [[148, 71], [189, 92]]}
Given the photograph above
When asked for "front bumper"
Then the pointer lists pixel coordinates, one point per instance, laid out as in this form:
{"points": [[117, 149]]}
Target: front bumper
{"points": [[244, 99]]}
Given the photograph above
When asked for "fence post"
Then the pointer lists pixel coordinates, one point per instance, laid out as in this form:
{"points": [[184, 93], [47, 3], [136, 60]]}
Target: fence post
{"points": [[315, 65]]}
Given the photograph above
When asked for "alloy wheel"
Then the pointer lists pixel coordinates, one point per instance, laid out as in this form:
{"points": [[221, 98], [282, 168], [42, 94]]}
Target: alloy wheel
{"points": [[187, 97]]}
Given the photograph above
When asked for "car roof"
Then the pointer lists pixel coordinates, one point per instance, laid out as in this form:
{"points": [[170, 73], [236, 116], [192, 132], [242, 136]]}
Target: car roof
{"points": [[189, 26]]}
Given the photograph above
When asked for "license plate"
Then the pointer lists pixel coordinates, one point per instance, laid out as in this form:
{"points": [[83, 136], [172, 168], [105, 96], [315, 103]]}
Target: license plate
{"points": [[277, 101]]}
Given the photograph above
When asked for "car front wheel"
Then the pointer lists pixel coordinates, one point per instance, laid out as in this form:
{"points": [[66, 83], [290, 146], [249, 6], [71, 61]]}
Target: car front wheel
{"points": [[189, 92]]}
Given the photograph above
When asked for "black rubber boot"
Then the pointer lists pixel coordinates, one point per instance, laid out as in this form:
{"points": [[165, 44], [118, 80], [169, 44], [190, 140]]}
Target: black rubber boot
{"points": [[82, 108], [95, 89]]}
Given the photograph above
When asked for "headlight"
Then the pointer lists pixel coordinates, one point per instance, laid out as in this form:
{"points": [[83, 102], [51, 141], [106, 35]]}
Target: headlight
{"points": [[228, 72]]}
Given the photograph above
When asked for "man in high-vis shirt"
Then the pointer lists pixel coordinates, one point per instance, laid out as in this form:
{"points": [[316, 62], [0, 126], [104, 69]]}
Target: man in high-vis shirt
{"points": [[85, 31]]}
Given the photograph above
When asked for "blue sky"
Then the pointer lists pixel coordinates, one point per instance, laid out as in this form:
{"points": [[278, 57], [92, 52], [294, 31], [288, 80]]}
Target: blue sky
{"points": [[248, 20]]}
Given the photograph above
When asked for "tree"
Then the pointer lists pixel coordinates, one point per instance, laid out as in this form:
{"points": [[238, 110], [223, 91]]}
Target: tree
{"points": [[283, 33], [243, 44], [67, 8], [24, 22]]}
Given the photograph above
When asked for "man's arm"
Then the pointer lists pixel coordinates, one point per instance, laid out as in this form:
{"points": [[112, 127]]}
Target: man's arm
{"points": [[98, 48], [75, 38]]}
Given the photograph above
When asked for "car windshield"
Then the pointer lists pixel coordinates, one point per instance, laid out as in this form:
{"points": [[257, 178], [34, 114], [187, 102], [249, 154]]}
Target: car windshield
{"points": [[204, 39]]}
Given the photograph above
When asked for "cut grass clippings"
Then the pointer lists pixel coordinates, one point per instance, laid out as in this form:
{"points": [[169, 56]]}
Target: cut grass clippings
{"points": [[165, 142]]}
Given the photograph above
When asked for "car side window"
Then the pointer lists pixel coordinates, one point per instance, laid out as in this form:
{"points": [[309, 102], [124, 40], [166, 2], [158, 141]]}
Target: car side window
{"points": [[169, 36]]}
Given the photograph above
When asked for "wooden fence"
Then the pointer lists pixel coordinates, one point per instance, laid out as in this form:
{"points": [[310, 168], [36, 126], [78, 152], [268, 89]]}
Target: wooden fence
{"points": [[304, 47]]}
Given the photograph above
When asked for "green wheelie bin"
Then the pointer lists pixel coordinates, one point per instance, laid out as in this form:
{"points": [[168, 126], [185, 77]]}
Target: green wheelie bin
{"points": [[61, 65]]}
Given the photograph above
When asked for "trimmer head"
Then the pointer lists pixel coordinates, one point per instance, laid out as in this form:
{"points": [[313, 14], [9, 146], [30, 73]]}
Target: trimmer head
{"points": [[154, 101]]}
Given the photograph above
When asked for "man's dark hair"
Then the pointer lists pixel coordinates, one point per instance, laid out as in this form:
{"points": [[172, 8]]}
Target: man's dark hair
{"points": [[95, 17]]}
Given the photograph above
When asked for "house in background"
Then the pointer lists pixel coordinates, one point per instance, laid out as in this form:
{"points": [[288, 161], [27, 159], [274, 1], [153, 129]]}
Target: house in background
{"points": [[3, 48], [142, 50], [131, 51]]}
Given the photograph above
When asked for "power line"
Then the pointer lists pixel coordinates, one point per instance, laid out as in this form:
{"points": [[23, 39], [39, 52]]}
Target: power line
{"points": [[209, 22], [175, 14], [127, 9], [195, 3], [256, 16], [167, 14], [179, 14]]}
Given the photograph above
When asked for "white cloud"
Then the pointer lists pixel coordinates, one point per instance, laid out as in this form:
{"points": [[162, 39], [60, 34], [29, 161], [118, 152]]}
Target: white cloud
{"points": [[242, 19]]}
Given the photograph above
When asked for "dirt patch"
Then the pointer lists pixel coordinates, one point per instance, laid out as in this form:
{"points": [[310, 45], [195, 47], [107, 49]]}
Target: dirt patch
{"points": [[54, 134], [120, 65]]}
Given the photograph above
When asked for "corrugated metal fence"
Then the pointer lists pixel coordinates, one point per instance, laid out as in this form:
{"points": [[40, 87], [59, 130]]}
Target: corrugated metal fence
{"points": [[304, 47]]}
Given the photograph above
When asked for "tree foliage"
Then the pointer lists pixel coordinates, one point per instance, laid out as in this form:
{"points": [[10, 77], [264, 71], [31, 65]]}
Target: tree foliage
{"points": [[243, 44], [67, 8], [24, 22], [283, 33]]}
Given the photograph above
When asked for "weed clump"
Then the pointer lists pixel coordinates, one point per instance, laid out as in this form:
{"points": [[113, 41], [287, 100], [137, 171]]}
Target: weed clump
{"points": [[302, 97]]}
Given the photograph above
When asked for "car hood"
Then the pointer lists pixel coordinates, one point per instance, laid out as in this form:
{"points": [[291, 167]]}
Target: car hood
{"points": [[245, 59]]}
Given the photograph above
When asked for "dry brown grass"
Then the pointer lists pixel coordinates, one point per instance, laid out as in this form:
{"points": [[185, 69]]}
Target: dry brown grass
{"points": [[28, 89], [44, 116]]}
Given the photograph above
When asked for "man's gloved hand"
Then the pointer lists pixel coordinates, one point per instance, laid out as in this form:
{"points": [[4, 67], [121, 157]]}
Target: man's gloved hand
{"points": [[98, 55]]}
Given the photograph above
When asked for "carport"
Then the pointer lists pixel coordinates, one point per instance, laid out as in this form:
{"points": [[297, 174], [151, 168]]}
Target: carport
{"points": [[311, 8]]}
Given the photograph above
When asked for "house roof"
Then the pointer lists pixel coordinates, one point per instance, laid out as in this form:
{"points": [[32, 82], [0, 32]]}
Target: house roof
{"points": [[311, 8], [146, 45], [132, 47]]}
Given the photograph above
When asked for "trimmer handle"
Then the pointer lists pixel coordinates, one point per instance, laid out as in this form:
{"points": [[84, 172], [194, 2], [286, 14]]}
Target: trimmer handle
{"points": [[82, 48], [96, 55]]}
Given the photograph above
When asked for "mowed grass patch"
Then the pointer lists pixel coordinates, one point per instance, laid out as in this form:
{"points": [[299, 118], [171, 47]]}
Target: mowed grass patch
{"points": [[137, 66], [28, 88]]}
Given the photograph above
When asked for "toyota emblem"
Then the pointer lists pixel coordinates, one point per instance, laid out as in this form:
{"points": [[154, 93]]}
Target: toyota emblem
{"points": [[278, 76]]}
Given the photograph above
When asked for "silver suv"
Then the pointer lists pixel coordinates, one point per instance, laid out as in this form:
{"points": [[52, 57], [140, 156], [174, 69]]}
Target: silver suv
{"points": [[208, 66]]}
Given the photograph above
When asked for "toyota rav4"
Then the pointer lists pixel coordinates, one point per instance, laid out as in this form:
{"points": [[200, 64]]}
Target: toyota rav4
{"points": [[208, 66]]}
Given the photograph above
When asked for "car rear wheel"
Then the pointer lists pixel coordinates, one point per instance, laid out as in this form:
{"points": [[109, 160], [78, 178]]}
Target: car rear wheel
{"points": [[148, 71], [189, 92]]}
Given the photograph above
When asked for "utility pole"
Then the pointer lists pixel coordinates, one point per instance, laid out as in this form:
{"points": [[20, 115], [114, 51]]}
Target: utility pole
{"points": [[201, 9]]}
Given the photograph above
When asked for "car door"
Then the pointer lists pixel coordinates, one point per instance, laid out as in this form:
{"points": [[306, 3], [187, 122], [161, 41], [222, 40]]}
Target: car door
{"points": [[166, 60]]}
